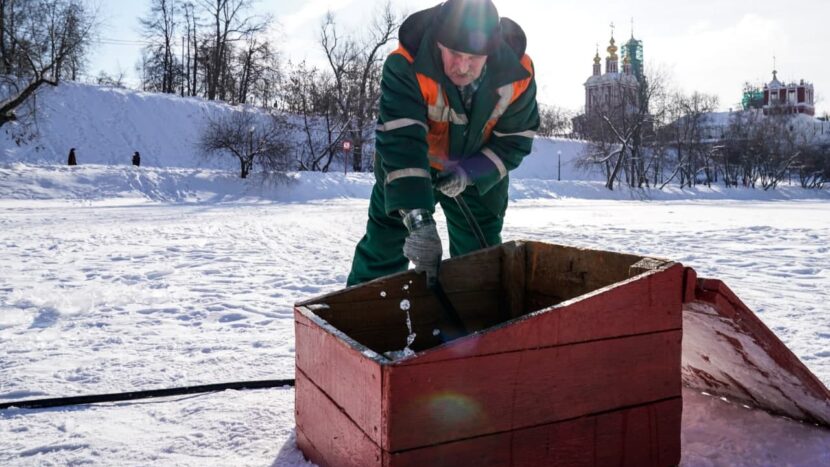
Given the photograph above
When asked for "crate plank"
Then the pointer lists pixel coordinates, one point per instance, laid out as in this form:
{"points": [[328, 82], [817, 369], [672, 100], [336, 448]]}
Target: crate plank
{"points": [[380, 324], [570, 272], [452, 399], [454, 275], [634, 437], [645, 304], [348, 376], [326, 435], [644, 436], [513, 279], [728, 350]]}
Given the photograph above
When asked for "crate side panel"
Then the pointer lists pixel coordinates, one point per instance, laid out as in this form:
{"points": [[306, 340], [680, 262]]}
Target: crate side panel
{"points": [[326, 435], [513, 278], [455, 274], [649, 435], [381, 325], [728, 351], [455, 399], [647, 304], [616, 438], [349, 378], [569, 272]]}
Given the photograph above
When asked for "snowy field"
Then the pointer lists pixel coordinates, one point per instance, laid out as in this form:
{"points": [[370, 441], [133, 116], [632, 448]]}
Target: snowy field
{"points": [[123, 285]]}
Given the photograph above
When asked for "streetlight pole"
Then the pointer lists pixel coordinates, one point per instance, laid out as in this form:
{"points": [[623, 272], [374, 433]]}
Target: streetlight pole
{"points": [[559, 166]]}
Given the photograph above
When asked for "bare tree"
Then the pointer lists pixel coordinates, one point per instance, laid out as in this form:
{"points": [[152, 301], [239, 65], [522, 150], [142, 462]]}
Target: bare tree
{"points": [[310, 94], [554, 120], [814, 166], [789, 143], [191, 60], [159, 28], [356, 65], [685, 135], [253, 139], [617, 130], [228, 24], [39, 36], [116, 80]]}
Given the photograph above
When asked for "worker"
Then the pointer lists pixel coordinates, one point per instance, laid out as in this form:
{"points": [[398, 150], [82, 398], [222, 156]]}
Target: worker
{"points": [[457, 112]]}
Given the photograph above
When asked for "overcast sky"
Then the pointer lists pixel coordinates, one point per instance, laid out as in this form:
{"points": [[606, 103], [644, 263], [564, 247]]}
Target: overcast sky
{"points": [[711, 46]]}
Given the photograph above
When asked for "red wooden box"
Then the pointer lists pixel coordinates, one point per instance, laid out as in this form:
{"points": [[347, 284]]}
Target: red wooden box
{"points": [[574, 360]]}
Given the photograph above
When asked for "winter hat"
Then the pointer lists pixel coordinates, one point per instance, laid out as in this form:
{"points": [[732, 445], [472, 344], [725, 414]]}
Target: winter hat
{"points": [[469, 26]]}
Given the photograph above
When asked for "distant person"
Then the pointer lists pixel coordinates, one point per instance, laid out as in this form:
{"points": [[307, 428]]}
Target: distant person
{"points": [[72, 160], [136, 159]]}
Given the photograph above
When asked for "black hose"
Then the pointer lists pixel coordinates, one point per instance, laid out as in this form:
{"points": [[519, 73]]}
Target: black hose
{"points": [[471, 221], [127, 396]]}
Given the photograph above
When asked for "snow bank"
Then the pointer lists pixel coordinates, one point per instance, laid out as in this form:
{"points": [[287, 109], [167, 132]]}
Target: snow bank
{"points": [[106, 125], [20, 181]]}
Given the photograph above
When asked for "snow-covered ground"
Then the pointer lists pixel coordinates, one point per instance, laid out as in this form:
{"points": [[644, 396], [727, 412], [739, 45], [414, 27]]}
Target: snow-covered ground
{"points": [[116, 279]]}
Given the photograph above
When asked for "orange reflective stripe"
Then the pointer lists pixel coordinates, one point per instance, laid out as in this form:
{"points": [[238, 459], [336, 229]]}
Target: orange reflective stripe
{"points": [[402, 51], [519, 88], [488, 128], [438, 137], [429, 88]]}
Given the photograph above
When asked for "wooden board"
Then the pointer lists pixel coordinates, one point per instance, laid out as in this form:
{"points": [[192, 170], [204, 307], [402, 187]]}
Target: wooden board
{"points": [[434, 403], [336, 364], [645, 304], [635, 437], [326, 435], [454, 274], [569, 272], [728, 351], [381, 325]]}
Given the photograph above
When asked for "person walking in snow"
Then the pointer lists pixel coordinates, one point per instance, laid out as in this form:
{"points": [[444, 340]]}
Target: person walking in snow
{"points": [[457, 112], [136, 159], [72, 160]]}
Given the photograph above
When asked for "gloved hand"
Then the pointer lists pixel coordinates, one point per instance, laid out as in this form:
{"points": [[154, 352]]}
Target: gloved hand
{"points": [[423, 245], [454, 183]]}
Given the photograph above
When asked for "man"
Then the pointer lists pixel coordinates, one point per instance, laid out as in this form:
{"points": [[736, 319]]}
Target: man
{"points": [[72, 160], [457, 112], [136, 159]]}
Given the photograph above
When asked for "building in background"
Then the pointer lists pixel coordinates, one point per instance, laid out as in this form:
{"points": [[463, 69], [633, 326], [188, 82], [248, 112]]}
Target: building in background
{"points": [[789, 98], [615, 88], [615, 91]]}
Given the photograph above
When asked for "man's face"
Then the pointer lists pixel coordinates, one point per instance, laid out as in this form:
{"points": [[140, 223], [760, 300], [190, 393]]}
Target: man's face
{"points": [[462, 69]]}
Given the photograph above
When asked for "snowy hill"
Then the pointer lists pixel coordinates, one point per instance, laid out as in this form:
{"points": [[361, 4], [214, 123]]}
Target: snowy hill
{"points": [[106, 125]]}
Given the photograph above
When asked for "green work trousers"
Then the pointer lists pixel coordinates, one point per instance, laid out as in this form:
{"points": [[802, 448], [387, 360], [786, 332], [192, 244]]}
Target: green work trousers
{"points": [[380, 251]]}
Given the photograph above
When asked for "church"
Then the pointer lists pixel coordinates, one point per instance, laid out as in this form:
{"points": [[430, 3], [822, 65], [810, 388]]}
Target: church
{"points": [[617, 90]]}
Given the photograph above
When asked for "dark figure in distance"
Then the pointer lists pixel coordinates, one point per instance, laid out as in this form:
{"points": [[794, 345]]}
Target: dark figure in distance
{"points": [[136, 159], [72, 160]]}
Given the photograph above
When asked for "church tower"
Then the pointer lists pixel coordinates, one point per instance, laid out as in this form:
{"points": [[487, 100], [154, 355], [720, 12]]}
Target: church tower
{"points": [[612, 60], [614, 91]]}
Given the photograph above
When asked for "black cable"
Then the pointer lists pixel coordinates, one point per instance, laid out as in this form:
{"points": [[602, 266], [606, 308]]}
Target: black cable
{"points": [[471, 221], [127, 396]]}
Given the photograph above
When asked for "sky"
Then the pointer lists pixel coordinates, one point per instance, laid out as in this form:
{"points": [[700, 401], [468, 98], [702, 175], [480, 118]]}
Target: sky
{"points": [[711, 46]]}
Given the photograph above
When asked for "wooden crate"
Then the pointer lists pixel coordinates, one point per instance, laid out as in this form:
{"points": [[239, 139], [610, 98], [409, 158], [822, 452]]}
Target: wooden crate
{"points": [[574, 360]]}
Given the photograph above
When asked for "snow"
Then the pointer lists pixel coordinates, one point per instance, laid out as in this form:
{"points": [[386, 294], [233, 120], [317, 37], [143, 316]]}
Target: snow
{"points": [[118, 278]]}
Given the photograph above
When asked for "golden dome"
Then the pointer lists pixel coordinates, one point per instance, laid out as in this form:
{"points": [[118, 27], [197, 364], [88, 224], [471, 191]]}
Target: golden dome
{"points": [[597, 60], [612, 49]]}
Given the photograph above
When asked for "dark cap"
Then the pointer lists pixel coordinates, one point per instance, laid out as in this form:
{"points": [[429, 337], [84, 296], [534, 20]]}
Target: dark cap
{"points": [[469, 26]]}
